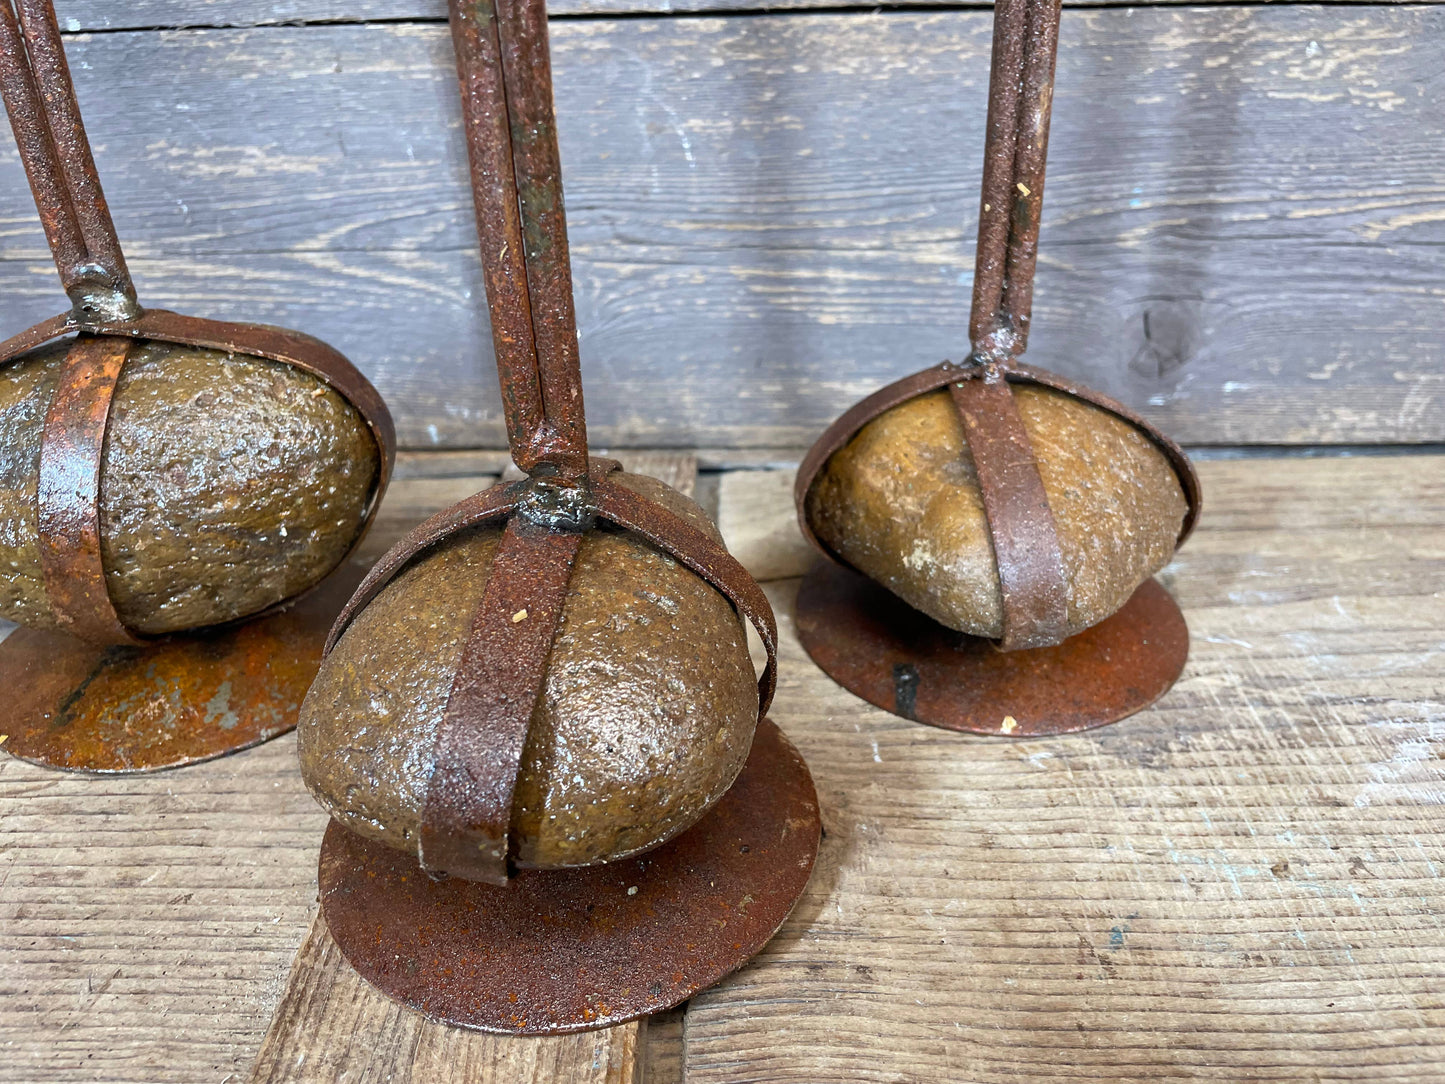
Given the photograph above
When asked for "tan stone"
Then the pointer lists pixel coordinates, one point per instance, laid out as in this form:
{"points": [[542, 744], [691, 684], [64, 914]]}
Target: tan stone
{"points": [[647, 714], [900, 502], [228, 484]]}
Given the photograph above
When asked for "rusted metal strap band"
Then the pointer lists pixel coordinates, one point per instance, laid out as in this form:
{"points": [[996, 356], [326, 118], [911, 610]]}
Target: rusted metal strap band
{"points": [[46, 331], [490, 504], [477, 754], [516, 189], [702, 555], [1021, 85], [72, 444], [40, 97], [1032, 582], [1183, 468]]}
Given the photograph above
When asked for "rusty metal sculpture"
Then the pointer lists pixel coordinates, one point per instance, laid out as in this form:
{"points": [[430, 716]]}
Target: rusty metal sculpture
{"points": [[467, 938], [1033, 681], [105, 697]]}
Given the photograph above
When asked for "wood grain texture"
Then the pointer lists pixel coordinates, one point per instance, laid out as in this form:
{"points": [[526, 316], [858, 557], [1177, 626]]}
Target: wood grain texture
{"points": [[773, 215], [1242, 883], [756, 517], [331, 1025], [664, 1052], [107, 15]]}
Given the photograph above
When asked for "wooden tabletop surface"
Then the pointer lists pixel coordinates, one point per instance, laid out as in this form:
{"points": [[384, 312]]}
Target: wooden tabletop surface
{"points": [[1241, 883]]}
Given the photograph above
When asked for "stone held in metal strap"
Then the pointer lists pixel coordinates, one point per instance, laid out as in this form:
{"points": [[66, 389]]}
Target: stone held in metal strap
{"points": [[1038, 601], [110, 331], [571, 692], [462, 810], [1020, 548]]}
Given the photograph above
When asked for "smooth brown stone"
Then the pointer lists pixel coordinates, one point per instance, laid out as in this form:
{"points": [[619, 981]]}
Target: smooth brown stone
{"points": [[228, 484], [900, 502], [647, 713]]}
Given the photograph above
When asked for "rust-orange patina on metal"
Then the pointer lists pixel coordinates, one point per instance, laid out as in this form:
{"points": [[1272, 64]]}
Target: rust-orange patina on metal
{"points": [[1030, 663], [880, 648], [107, 708], [107, 321], [572, 950]]}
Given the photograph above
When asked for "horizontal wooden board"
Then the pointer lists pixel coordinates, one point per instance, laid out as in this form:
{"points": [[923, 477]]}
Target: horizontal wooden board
{"points": [[85, 15], [1241, 883], [773, 215]]}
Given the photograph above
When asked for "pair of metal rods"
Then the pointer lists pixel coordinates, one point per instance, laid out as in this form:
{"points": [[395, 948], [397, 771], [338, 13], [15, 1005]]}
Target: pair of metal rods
{"points": [[506, 79], [1020, 97], [1032, 581], [40, 98]]}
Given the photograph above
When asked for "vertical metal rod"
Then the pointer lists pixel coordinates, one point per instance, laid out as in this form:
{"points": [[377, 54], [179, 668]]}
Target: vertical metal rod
{"points": [[1021, 88], [505, 76], [40, 99], [32, 137], [1030, 158], [77, 163], [527, 68], [499, 229]]}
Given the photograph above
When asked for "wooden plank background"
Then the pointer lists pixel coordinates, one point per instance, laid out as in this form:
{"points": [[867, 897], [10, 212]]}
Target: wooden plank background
{"points": [[83, 15], [773, 214]]}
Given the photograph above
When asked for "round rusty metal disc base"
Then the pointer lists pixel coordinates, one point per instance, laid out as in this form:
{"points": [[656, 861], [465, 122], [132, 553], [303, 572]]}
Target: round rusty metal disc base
{"points": [[878, 647], [90, 708], [556, 951]]}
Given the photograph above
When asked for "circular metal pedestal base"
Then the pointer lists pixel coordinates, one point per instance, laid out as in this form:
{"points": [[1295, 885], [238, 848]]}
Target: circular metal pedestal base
{"points": [[875, 645], [555, 951], [88, 708]]}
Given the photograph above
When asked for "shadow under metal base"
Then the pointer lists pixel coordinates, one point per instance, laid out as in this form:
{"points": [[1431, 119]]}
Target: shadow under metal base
{"points": [[876, 646], [557, 951], [89, 708]]}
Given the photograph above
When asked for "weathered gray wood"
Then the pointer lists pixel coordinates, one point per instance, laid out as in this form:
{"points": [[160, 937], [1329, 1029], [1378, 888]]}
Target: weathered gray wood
{"points": [[331, 1026], [664, 1051], [773, 215], [755, 516], [83, 15]]}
